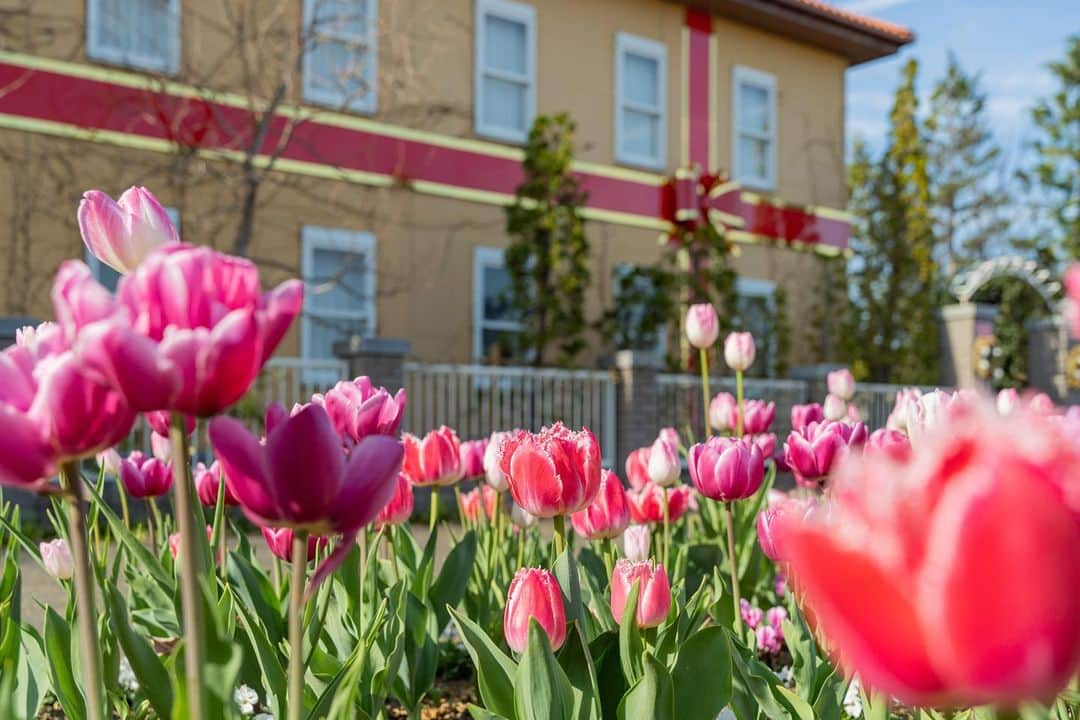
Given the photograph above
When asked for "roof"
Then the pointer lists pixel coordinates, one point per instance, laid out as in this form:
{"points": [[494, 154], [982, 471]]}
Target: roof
{"points": [[885, 29]]}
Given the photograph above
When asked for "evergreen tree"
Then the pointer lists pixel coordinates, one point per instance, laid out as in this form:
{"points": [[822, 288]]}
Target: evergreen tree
{"points": [[548, 254]]}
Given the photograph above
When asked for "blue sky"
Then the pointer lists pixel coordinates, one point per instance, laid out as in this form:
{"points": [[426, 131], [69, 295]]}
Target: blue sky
{"points": [[1009, 42]]}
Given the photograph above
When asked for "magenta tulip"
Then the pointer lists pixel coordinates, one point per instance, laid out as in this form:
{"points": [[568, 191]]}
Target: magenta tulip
{"points": [[812, 452], [122, 233], [759, 416], [435, 459], [472, 458], [553, 472], [534, 595], [739, 351], [300, 477], [358, 409], [654, 592], [207, 483], [803, 415], [608, 514], [400, 507], [145, 477], [280, 542], [726, 469], [702, 325], [160, 421]]}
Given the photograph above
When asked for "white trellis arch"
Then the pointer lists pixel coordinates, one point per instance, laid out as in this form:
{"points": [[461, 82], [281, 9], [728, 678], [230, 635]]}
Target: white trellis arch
{"points": [[966, 284]]}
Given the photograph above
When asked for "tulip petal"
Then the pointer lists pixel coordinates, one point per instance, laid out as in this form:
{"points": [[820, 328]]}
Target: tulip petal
{"points": [[307, 463], [129, 362], [243, 460], [534, 482], [370, 482], [282, 305], [25, 457]]}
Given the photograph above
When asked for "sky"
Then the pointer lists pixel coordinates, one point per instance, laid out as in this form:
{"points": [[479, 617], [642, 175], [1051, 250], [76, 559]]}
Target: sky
{"points": [[1007, 42]]}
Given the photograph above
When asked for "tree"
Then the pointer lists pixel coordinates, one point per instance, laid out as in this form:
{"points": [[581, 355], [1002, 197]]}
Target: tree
{"points": [[964, 162], [1053, 179], [891, 331], [548, 256]]}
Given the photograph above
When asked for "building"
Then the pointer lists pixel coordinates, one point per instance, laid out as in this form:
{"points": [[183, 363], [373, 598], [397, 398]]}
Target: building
{"points": [[376, 141]]}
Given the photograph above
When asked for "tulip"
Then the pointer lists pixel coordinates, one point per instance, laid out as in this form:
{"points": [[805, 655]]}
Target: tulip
{"points": [[122, 233], [664, 468], [759, 415], [853, 414], [739, 351], [280, 542], [608, 514], [654, 592], [702, 325], [766, 443], [521, 517], [1072, 298], [161, 447], [751, 615], [435, 460], [472, 458], [647, 504], [400, 507], [496, 478], [769, 639], [56, 557], [109, 461], [174, 543], [554, 472], [722, 412], [726, 468], [145, 478], [534, 595], [803, 415], [812, 452], [358, 409], [770, 528], [160, 422], [835, 408], [1008, 400], [905, 398], [635, 543], [927, 412], [482, 499], [1042, 404], [301, 479], [637, 468], [669, 435], [776, 616], [188, 331], [890, 441], [207, 483], [971, 533], [841, 383]]}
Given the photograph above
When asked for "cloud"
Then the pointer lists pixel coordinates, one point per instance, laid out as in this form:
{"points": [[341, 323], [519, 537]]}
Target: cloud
{"points": [[872, 6]]}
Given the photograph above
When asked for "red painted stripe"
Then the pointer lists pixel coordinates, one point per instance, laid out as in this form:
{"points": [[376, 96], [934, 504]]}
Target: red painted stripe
{"points": [[698, 86]]}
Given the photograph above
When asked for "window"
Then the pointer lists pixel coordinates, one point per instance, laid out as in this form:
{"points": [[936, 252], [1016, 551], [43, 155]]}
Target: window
{"points": [[755, 128], [339, 294], [495, 321], [143, 34], [756, 301], [637, 325], [505, 69], [341, 53], [640, 94], [105, 274]]}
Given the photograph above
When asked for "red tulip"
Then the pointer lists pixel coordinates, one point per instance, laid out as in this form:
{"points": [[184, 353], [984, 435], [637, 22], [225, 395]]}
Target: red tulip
{"points": [[301, 479], [654, 591], [608, 514], [358, 409], [435, 460], [553, 472], [122, 233], [637, 468], [951, 579], [280, 542], [400, 507], [759, 416], [145, 478], [702, 325], [726, 468], [160, 421], [482, 499], [534, 594], [647, 504], [803, 415], [207, 482], [472, 458], [811, 453], [189, 329]]}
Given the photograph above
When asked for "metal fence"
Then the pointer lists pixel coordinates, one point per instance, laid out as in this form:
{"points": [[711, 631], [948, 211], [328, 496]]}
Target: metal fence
{"points": [[680, 400], [477, 400]]}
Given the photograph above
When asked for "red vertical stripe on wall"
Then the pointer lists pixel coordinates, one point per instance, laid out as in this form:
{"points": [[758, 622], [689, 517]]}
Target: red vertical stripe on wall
{"points": [[700, 75]]}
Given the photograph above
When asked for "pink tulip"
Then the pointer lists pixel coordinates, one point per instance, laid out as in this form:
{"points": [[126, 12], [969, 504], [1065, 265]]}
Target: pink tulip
{"points": [[812, 452], [803, 415], [898, 418], [433, 460], [635, 543], [160, 421], [534, 595], [400, 507], [766, 443], [759, 416], [479, 502], [1007, 400], [207, 482], [122, 233], [608, 514], [145, 478], [654, 592], [280, 542], [776, 616], [493, 473], [637, 468], [1042, 404], [893, 442], [722, 412], [300, 477], [973, 532], [160, 447], [739, 351], [751, 615], [188, 331], [174, 543], [841, 383], [853, 414], [770, 529], [669, 435], [835, 408], [56, 557], [726, 468], [109, 461], [358, 409], [472, 458], [553, 472], [702, 325], [664, 468], [647, 504]]}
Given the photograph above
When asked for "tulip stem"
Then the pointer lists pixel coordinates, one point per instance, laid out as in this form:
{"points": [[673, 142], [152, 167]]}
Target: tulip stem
{"points": [[734, 565], [667, 526], [560, 534], [150, 515], [609, 555], [521, 547], [706, 395], [739, 400], [124, 513], [84, 590], [434, 508], [296, 630], [190, 572], [461, 508]]}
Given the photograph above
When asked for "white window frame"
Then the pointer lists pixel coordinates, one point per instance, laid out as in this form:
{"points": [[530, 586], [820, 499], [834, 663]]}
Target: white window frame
{"points": [[514, 12], [366, 102], [626, 44], [317, 237], [96, 265], [743, 76], [483, 258], [97, 50]]}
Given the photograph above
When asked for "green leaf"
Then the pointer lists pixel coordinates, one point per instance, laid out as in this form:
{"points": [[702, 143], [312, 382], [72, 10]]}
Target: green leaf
{"points": [[796, 706], [267, 656], [706, 654], [153, 678], [652, 697], [630, 643], [143, 558], [541, 689], [609, 675], [61, 672], [495, 671], [480, 713], [449, 588], [577, 663]]}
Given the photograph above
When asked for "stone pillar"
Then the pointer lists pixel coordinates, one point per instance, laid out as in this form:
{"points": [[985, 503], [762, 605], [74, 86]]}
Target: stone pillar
{"points": [[381, 359], [637, 403], [960, 325], [1048, 349]]}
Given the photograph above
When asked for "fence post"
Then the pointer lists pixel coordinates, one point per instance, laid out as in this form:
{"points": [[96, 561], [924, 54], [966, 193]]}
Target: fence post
{"points": [[381, 359], [637, 402]]}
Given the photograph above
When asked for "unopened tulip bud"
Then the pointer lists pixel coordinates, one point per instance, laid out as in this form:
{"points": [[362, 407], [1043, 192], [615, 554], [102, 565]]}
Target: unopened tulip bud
{"points": [[739, 351], [635, 543], [702, 325], [472, 458], [56, 556], [835, 408], [521, 517], [496, 478], [608, 514], [534, 595], [722, 411], [654, 592], [841, 384], [109, 460], [664, 468], [280, 542]]}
